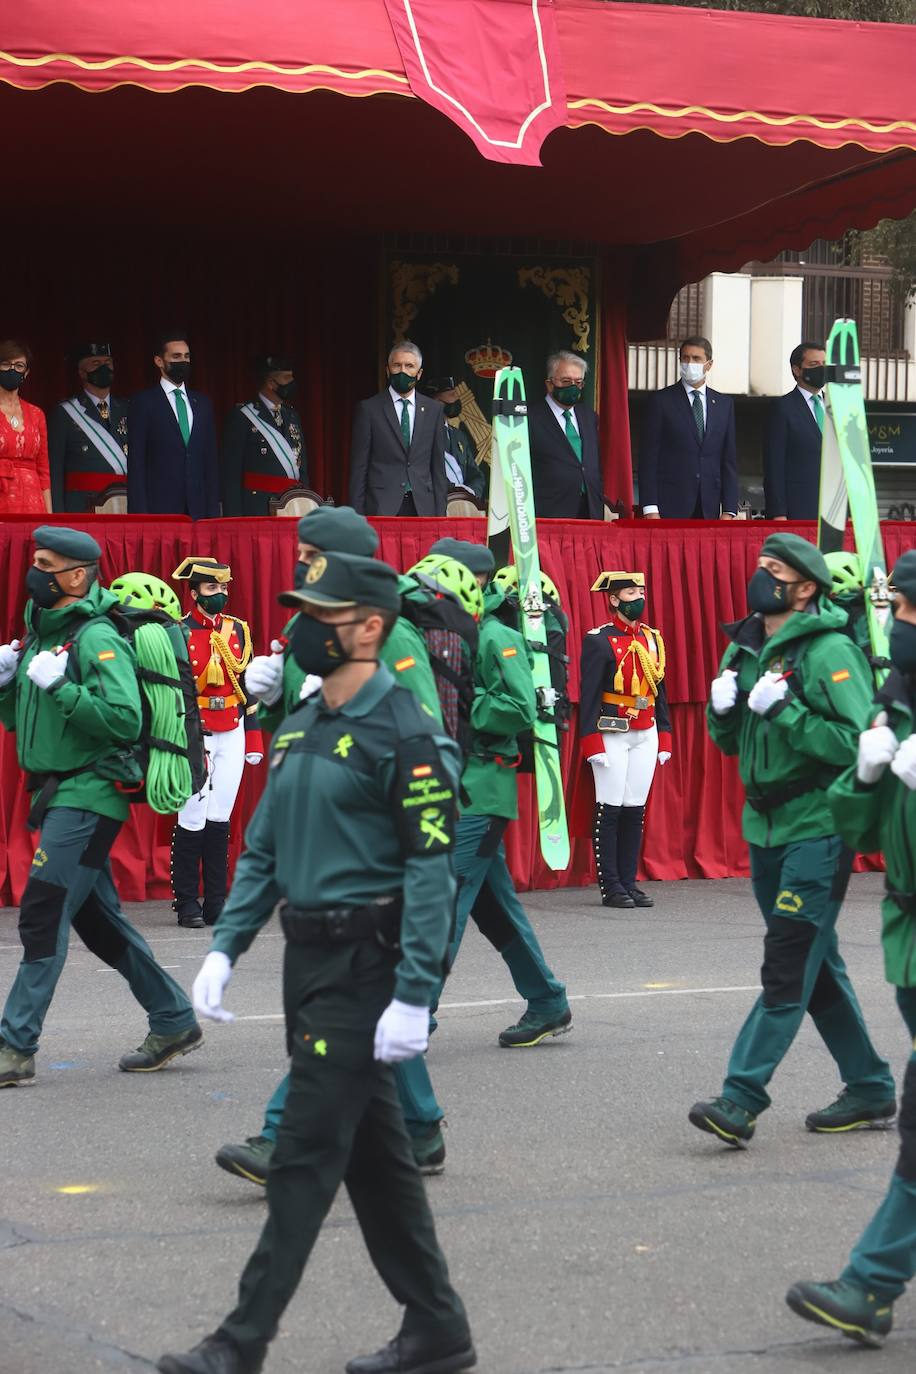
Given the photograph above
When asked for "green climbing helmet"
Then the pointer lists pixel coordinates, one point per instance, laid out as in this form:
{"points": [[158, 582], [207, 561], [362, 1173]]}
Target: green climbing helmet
{"points": [[507, 579], [845, 573], [143, 592], [448, 575]]}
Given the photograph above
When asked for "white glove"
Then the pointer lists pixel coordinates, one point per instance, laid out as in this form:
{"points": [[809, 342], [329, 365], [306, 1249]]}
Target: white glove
{"points": [[264, 676], [904, 764], [209, 986], [663, 756], [877, 748], [547, 698], [602, 760], [253, 758], [402, 1032], [9, 661], [310, 686], [46, 668], [772, 687], [724, 692]]}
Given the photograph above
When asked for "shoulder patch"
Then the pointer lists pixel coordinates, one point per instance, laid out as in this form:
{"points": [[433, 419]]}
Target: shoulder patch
{"points": [[108, 653], [404, 663], [840, 676], [510, 652], [423, 799]]}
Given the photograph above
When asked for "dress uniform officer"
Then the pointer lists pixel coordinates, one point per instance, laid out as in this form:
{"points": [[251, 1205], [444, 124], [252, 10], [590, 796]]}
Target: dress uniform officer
{"points": [[625, 730], [790, 698], [874, 807], [354, 837], [88, 434], [70, 693], [263, 454], [279, 682], [219, 648]]}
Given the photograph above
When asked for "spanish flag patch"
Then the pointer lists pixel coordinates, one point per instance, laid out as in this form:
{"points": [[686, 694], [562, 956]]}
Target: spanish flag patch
{"points": [[404, 663], [841, 676], [509, 653], [422, 770], [108, 653]]}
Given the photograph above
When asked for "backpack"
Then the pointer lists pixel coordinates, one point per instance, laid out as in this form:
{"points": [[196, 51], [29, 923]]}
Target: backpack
{"points": [[451, 637], [167, 765], [556, 626]]}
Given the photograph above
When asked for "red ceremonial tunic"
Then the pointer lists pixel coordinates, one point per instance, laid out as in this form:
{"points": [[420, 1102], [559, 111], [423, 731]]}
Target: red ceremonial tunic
{"points": [[24, 471], [614, 683], [221, 706]]}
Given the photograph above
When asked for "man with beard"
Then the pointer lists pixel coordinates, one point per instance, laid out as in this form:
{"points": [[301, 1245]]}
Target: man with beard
{"points": [[173, 467]]}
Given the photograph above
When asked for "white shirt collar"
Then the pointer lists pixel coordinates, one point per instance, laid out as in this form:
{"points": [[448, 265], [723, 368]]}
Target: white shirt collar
{"points": [[559, 411], [691, 390], [271, 404], [396, 396], [168, 387], [97, 400], [810, 395]]}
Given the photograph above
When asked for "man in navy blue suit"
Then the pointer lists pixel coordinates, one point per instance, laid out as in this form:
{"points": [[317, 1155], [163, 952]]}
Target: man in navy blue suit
{"points": [[792, 449], [688, 468], [565, 452], [172, 466]]}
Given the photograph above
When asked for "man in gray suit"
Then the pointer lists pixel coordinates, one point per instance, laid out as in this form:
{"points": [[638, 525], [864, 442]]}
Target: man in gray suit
{"points": [[397, 453]]}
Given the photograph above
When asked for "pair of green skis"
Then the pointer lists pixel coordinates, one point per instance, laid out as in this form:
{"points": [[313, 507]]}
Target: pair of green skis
{"points": [[847, 480], [511, 522]]}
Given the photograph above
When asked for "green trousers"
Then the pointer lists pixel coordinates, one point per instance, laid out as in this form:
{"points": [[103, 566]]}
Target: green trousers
{"points": [[70, 884], [884, 1258], [342, 1124], [799, 889], [486, 893]]}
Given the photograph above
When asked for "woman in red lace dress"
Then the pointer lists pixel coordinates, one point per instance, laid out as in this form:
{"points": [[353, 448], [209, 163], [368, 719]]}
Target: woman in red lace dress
{"points": [[25, 479]]}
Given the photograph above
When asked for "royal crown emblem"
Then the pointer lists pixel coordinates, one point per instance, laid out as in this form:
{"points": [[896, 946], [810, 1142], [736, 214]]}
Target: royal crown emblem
{"points": [[486, 359]]}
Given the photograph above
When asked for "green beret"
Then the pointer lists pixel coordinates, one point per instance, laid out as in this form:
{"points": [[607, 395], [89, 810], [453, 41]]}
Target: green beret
{"points": [[343, 580], [338, 529], [477, 558], [904, 575], [75, 544], [800, 555]]}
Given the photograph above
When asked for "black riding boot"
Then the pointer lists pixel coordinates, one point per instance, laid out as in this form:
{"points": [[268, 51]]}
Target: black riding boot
{"points": [[187, 846], [629, 843], [604, 836], [216, 869]]}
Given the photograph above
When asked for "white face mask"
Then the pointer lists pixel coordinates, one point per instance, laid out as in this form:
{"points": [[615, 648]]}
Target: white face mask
{"points": [[693, 372]]}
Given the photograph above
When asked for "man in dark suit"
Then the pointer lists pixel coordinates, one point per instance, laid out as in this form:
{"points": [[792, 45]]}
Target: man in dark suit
{"points": [[563, 435], [87, 434], [792, 449], [173, 467], [397, 453], [461, 466], [688, 467], [263, 454]]}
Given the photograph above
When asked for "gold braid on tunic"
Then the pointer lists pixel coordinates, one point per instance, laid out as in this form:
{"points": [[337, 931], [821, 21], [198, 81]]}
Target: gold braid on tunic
{"points": [[645, 668], [221, 656]]}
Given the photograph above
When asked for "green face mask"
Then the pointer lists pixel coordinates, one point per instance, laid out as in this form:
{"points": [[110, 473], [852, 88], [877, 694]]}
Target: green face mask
{"points": [[212, 604], [632, 610], [402, 382], [567, 395]]}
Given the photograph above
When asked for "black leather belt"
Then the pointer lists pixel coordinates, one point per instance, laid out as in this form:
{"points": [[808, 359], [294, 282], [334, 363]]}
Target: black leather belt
{"points": [[341, 925], [771, 801]]}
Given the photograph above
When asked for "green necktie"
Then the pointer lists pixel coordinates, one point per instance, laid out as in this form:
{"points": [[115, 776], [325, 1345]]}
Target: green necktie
{"points": [[405, 424], [698, 417], [818, 412], [181, 410], [573, 435]]}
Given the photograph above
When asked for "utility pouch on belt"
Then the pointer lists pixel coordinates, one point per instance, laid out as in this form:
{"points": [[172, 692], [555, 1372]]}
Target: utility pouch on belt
{"points": [[763, 805], [613, 725], [339, 925]]}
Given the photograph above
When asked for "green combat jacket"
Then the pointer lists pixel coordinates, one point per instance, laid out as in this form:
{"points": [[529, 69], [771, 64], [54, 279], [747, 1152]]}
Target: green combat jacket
{"points": [[811, 734], [404, 652], [883, 816], [359, 805], [504, 707], [74, 724]]}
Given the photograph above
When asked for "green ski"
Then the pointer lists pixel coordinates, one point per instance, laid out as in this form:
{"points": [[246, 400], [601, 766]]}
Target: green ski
{"points": [[846, 433], [512, 509]]}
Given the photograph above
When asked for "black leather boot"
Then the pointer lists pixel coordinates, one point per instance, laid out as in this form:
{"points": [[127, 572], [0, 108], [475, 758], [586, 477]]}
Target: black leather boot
{"points": [[216, 869], [604, 837], [187, 847], [629, 843]]}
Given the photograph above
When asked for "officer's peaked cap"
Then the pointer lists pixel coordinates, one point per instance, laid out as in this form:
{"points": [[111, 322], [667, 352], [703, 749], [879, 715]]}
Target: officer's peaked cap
{"points": [[343, 580], [79, 351]]}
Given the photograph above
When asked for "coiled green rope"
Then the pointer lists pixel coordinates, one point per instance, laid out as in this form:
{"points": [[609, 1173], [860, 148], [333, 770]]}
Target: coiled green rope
{"points": [[168, 774]]}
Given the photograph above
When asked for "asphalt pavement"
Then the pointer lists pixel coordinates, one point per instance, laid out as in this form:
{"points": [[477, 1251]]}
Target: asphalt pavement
{"points": [[587, 1225]]}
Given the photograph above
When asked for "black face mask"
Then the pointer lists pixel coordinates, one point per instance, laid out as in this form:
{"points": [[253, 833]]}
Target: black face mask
{"points": [[768, 594], [44, 588], [452, 409], [286, 391], [316, 647], [101, 376], [902, 646], [299, 573], [815, 376], [10, 379], [178, 372]]}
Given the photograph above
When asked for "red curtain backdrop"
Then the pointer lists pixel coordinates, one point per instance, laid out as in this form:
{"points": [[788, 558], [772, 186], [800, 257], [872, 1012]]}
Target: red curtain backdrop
{"points": [[696, 575]]}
